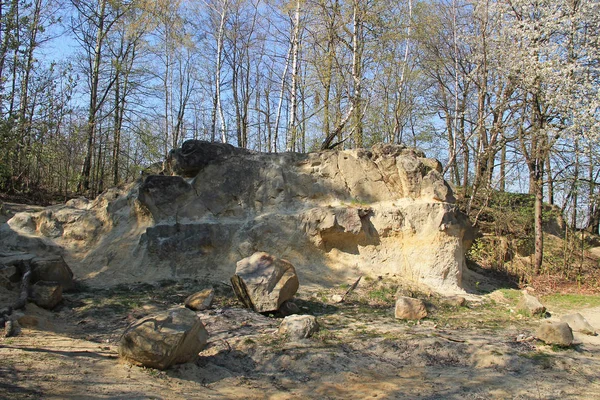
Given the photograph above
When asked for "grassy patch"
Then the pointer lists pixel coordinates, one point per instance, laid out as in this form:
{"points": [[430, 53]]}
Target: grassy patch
{"points": [[512, 295], [571, 301]]}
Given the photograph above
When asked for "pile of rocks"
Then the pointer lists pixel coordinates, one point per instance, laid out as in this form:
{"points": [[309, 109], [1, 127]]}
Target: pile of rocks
{"points": [[40, 280], [261, 282]]}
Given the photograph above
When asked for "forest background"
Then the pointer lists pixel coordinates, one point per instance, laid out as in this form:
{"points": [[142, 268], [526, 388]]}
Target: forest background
{"points": [[504, 92]]}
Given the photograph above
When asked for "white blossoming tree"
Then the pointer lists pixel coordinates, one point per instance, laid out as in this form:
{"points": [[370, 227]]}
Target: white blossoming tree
{"points": [[549, 51]]}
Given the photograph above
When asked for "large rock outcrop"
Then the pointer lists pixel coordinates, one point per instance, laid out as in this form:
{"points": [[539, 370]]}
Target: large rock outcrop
{"points": [[333, 214]]}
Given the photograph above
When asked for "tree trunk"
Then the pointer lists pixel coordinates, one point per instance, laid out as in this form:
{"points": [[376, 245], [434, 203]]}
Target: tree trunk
{"points": [[293, 115], [357, 46], [538, 218], [84, 182]]}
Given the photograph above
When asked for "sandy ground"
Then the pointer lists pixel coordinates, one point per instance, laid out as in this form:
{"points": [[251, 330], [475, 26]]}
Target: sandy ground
{"points": [[361, 352]]}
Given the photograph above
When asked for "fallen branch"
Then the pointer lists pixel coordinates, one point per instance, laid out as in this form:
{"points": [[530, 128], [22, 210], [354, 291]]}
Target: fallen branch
{"points": [[354, 285], [449, 338], [25, 288]]}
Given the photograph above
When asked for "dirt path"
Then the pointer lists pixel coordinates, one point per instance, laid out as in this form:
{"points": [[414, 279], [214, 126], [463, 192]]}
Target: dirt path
{"points": [[360, 352]]}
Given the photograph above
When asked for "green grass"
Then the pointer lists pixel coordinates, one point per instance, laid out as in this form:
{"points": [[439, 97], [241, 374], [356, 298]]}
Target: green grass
{"points": [[570, 301], [512, 295]]}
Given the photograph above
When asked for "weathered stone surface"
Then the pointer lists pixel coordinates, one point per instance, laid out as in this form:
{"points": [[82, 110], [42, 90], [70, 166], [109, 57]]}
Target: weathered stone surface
{"points": [[263, 282], [201, 300], [409, 308], [160, 194], [160, 341], [197, 154], [46, 294], [339, 227], [558, 333], [578, 323], [296, 327], [531, 304]]}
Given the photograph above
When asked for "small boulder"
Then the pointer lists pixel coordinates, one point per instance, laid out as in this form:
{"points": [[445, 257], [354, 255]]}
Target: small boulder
{"points": [[296, 327], [409, 308], [456, 301], [46, 294], [162, 340], [558, 333], [263, 282], [579, 324], [531, 304], [200, 301]]}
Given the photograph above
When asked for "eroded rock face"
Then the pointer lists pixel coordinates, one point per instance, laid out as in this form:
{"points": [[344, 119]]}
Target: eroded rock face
{"points": [[263, 282], [333, 214], [165, 339]]}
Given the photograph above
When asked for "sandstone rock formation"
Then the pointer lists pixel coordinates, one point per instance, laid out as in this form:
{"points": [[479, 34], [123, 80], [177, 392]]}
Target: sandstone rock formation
{"points": [[263, 282], [334, 215], [165, 339]]}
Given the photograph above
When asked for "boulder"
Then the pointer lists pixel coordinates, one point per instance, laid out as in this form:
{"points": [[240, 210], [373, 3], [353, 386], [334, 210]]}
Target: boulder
{"points": [[531, 304], [46, 294], [200, 301], [409, 308], [579, 324], [52, 269], [296, 327], [557, 333], [263, 282], [162, 340]]}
